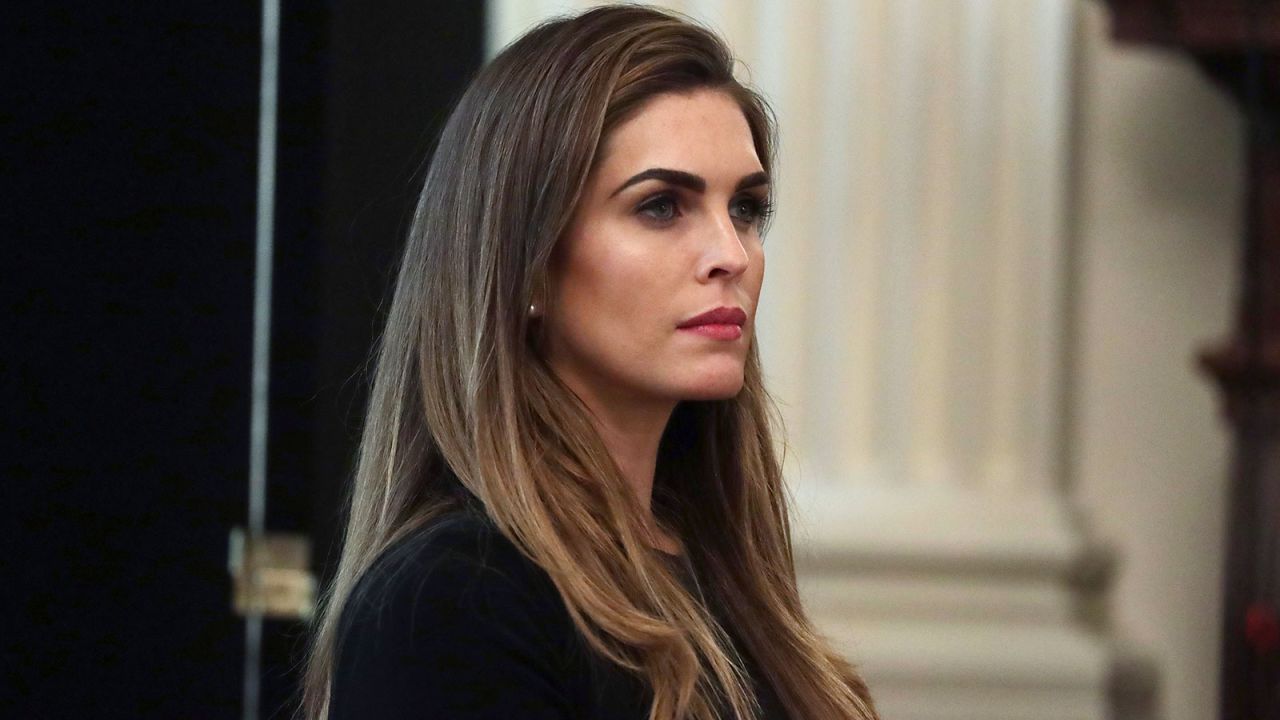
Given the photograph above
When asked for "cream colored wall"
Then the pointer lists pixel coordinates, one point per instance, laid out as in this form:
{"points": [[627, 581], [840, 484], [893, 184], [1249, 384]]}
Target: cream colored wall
{"points": [[1157, 222]]}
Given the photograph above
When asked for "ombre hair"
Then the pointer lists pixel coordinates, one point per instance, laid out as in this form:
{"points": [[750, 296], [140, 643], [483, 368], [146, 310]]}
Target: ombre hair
{"points": [[462, 389]]}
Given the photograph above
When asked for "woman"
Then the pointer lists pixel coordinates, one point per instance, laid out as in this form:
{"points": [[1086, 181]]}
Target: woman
{"points": [[567, 503]]}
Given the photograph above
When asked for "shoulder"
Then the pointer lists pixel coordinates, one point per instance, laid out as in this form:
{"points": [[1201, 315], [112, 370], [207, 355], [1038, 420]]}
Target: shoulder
{"points": [[455, 616], [458, 545], [456, 560]]}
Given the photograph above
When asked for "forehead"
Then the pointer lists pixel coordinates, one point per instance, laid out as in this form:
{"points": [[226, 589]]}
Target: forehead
{"points": [[703, 130]]}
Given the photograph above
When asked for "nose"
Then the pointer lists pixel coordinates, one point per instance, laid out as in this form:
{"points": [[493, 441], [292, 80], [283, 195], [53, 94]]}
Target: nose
{"points": [[725, 254]]}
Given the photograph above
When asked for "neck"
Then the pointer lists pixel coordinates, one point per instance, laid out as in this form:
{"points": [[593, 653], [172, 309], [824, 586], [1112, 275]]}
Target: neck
{"points": [[632, 430], [632, 439]]}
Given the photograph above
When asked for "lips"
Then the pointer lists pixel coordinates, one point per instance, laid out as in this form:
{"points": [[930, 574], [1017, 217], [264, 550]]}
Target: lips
{"points": [[718, 316]]}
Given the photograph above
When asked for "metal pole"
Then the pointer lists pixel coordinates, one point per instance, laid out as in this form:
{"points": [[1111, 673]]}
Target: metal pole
{"points": [[268, 91]]}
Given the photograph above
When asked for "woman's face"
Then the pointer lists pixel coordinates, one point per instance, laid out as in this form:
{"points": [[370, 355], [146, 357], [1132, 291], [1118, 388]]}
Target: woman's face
{"points": [[667, 229]]}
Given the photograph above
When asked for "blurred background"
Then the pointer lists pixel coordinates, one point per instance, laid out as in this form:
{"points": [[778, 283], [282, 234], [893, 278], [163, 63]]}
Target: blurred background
{"points": [[1002, 239]]}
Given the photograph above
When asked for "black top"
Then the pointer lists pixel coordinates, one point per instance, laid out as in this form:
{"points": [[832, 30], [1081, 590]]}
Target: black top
{"points": [[454, 622]]}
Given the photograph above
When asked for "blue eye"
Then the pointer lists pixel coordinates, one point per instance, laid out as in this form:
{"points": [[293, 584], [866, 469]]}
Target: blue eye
{"points": [[664, 208], [661, 207], [755, 210]]}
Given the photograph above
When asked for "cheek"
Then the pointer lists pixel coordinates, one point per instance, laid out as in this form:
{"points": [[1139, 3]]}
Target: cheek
{"points": [[756, 273], [615, 278], [615, 300]]}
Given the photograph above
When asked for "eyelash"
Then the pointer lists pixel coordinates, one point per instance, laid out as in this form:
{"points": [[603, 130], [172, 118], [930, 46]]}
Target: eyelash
{"points": [[763, 206]]}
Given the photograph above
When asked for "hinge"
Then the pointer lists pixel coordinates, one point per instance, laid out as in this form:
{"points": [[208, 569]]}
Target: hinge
{"points": [[271, 575]]}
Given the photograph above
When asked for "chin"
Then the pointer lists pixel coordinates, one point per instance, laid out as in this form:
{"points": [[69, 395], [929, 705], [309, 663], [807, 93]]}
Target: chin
{"points": [[715, 388]]}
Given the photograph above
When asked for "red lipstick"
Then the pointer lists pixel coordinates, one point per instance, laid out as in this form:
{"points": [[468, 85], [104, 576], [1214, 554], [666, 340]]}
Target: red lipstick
{"points": [[722, 323]]}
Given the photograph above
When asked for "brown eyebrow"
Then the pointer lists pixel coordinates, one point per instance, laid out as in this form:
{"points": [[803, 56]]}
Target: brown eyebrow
{"points": [[695, 183]]}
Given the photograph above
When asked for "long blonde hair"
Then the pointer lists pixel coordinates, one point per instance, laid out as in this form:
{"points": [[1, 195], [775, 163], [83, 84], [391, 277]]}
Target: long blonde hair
{"points": [[461, 386]]}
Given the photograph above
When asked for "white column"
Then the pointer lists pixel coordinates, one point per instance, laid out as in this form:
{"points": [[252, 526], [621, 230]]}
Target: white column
{"points": [[912, 326]]}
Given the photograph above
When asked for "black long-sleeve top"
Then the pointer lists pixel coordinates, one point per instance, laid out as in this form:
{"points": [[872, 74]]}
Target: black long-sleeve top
{"points": [[453, 622]]}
